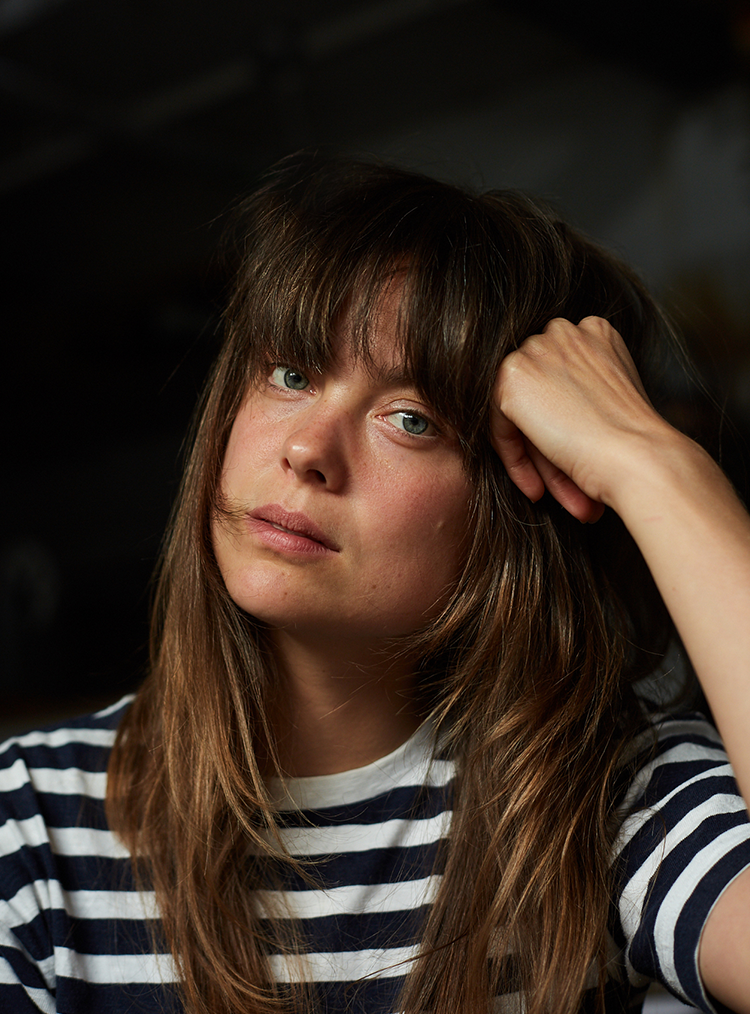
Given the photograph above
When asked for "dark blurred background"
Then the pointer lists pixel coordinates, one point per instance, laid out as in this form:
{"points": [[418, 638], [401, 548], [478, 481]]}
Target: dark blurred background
{"points": [[129, 127]]}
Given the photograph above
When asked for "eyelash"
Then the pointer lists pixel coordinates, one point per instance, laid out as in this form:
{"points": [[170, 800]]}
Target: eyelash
{"points": [[406, 414], [431, 428], [286, 370]]}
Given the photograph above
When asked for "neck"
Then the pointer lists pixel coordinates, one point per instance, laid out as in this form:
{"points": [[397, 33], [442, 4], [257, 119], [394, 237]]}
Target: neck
{"points": [[338, 711]]}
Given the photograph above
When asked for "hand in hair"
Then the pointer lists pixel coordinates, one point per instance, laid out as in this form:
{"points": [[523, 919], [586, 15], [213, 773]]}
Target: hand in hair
{"points": [[571, 416], [564, 403]]}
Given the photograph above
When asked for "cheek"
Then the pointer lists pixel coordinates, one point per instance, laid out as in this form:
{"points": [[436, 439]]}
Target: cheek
{"points": [[246, 450], [431, 522]]}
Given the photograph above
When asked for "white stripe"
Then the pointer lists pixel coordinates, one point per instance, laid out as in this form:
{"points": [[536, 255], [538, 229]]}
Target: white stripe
{"points": [[663, 727], [46, 895], [341, 838], [70, 782], [509, 1003], [356, 786], [352, 899], [343, 966], [681, 753], [110, 710], [64, 841], [62, 781], [114, 969], [112, 905], [29, 901], [42, 999], [633, 823], [86, 841], [635, 893], [62, 737], [14, 834], [679, 894], [668, 725]]}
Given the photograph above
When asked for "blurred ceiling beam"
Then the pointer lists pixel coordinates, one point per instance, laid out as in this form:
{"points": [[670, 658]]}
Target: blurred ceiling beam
{"points": [[61, 150], [16, 14]]}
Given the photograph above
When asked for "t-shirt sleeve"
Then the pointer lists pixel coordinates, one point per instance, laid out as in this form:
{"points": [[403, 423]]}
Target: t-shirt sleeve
{"points": [[684, 838], [26, 955], [62, 873]]}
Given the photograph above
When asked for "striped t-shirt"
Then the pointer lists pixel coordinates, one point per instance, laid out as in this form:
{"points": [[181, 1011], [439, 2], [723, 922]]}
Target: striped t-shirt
{"points": [[76, 937]]}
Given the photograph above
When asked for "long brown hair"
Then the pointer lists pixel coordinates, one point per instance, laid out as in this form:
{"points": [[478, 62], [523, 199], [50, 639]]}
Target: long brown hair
{"points": [[528, 670]]}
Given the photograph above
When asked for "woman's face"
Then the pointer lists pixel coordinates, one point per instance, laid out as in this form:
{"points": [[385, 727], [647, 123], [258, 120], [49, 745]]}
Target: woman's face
{"points": [[349, 499]]}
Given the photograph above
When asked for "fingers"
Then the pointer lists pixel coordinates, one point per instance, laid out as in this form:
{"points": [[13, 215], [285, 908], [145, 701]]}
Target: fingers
{"points": [[562, 401], [564, 490], [510, 445], [532, 473]]}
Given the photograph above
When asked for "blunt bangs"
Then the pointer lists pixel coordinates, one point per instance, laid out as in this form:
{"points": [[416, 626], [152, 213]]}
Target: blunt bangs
{"points": [[322, 242], [323, 238]]}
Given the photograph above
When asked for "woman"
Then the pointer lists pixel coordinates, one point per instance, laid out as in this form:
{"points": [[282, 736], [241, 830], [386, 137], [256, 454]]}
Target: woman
{"points": [[389, 756]]}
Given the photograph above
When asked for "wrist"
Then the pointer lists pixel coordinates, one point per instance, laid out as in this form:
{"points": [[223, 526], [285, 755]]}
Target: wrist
{"points": [[652, 468]]}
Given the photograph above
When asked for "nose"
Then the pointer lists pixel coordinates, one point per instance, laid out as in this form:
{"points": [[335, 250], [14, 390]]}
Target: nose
{"points": [[314, 448]]}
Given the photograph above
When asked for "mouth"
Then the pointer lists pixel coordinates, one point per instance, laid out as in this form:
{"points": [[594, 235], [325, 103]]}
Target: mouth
{"points": [[292, 523]]}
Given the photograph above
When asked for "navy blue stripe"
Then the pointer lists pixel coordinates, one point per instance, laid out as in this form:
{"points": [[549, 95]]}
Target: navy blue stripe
{"points": [[374, 866], [16, 1000], [373, 996], [690, 923], [398, 804], [84, 936], [76, 997], [651, 835], [58, 810], [356, 932], [37, 935], [673, 775], [701, 902], [87, 757], [74, 873]]}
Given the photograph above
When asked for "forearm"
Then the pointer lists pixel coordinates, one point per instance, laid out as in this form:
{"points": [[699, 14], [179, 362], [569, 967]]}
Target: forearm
{"points": [[695, 537], [571, 417]]}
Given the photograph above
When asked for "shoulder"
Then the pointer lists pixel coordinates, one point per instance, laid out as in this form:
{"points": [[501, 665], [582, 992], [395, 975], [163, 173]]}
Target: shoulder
{"points": [[72, 928], [684, 837], [64, 760], [63, 741], [678, 758], [53, 782]]}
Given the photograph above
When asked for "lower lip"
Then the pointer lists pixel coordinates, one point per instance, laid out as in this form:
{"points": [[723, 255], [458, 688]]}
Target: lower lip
{"points": [[283, 541]]}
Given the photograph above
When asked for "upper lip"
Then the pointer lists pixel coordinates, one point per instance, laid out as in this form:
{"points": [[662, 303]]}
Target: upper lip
{"points": [[293, 521]]}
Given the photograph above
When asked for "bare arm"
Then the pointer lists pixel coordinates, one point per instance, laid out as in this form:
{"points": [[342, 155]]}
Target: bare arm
{"points": [[571, 416]]}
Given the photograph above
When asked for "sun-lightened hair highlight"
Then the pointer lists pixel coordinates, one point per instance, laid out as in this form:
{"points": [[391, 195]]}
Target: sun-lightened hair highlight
{"points": [[527, 671]]}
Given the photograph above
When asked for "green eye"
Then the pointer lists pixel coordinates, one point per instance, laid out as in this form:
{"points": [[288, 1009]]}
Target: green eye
{"points": [[287, 376], [411, 423]]}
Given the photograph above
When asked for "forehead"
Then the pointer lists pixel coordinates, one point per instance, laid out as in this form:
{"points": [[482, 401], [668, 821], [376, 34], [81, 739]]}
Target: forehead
{"points": [[376, 342]]}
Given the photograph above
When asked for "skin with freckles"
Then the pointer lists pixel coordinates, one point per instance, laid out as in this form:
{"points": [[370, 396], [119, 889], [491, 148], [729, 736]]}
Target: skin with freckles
{"points": [[348, 506], [390, 504]]}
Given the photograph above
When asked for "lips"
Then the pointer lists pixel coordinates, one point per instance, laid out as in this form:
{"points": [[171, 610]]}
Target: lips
{"points": [[291, 523]]}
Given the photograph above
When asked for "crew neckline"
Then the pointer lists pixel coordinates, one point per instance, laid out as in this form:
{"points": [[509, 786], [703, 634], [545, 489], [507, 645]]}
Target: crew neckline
{"points": [[403, 766]]}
